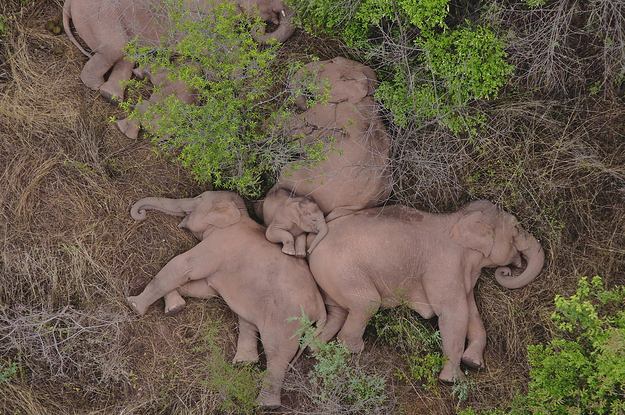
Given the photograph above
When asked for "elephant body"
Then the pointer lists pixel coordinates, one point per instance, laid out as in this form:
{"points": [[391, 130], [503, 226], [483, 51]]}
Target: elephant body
{"points": [[383, 257], [355, 175], [259, 283], [290, 218], [108, 25]]}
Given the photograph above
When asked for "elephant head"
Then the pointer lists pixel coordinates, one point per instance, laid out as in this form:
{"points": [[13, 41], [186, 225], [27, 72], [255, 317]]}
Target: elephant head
{"points": [[201, 214], [497, 235], [348, 81], [306, 214], [273, 11]]}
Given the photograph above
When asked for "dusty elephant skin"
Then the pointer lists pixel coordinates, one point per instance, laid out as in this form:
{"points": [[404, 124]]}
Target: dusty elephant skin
{"points": [[382, 257], [356, 173], [290, 218], [259, 283], [108, 25]]}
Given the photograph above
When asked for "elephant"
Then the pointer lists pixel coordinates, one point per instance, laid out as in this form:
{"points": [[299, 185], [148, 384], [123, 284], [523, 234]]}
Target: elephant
{"points": [[288, 220], [386, 256], [108, 25], [355, 174], [259, 283]]}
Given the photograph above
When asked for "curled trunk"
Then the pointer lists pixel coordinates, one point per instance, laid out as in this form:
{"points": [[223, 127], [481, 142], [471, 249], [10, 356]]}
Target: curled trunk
{"points": [[535, 257], [176, 207], [323, 231], [282, 33]]}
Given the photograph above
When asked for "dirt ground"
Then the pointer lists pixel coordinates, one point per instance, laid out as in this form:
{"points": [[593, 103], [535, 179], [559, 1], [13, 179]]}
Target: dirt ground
{"points": [[71, 253]]}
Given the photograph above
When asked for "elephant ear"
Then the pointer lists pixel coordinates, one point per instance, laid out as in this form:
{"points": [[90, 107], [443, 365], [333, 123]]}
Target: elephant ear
{"points": [[472, 232], [223, 214], [293, 213]]}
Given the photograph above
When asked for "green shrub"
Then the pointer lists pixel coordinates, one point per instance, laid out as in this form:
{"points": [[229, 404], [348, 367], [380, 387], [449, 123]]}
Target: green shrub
{"points": [[222, 140], [582, 371], [430, 72]]}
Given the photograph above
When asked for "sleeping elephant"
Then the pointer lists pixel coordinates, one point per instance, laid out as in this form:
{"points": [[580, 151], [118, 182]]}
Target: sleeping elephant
{"points": [[107, 26], [259, 283], [288, 220], [383, 257], [356, 174]]}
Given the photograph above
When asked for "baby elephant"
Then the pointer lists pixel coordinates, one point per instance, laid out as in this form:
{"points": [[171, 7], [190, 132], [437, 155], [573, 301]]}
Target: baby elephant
{"points": [[234, 260], [288, 218]]}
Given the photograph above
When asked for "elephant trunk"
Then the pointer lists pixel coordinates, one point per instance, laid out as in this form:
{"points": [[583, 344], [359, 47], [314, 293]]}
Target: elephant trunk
{"points": [[282, 33], [176, 207], [322, 232], [535, 257]]}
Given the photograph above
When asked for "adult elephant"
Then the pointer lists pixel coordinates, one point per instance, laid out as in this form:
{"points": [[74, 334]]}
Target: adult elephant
{"points": [[107, 26], [383, 257], [355, 174], [259, 283]]}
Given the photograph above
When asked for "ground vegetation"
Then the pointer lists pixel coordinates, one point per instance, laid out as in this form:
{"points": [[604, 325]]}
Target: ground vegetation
{"points": [[547, 144]]}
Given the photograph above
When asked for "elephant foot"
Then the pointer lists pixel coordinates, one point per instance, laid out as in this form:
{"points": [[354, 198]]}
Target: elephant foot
{"points": [[473, 363], [174, 309], [451, 375], [245, 360], [288, 249], [130, 128], [354, 346], [112, 94], [268, 403], [136, 305]]}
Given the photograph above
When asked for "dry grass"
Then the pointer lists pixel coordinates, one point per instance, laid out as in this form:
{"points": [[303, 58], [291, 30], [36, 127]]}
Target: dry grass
{"points": [[70, 251]]}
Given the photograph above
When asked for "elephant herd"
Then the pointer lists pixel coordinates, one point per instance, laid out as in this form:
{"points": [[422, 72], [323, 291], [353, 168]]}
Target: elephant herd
{"points": [[330, 246]]}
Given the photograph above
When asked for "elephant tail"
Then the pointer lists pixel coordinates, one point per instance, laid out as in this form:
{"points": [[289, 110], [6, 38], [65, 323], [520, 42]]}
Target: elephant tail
{"points": [[67, 14]]}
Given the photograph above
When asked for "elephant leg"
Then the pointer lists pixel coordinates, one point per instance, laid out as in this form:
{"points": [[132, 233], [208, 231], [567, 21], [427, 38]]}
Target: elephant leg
{"points": [[473, 356], [189, 266], [278, 235], [112, 89], [279, 351], [247, 344], [300, 245], [336, 316], [453, 321], [174, 303], [92, 74], [361, 308]]}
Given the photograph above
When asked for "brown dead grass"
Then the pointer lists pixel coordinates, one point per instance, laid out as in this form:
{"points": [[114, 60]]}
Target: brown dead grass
{"points": [[71, 253]]}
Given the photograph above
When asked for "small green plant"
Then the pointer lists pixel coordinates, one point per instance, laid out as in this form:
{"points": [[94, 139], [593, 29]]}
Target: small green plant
{"points": [[235, 386], [8, 371], [420, 344], [338, 382]]}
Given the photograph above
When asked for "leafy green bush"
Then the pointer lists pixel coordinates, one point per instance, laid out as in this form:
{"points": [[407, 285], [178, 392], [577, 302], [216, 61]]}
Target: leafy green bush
{"points": [[582, 371], [7, 371], [430, 71], [222, 140]]}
